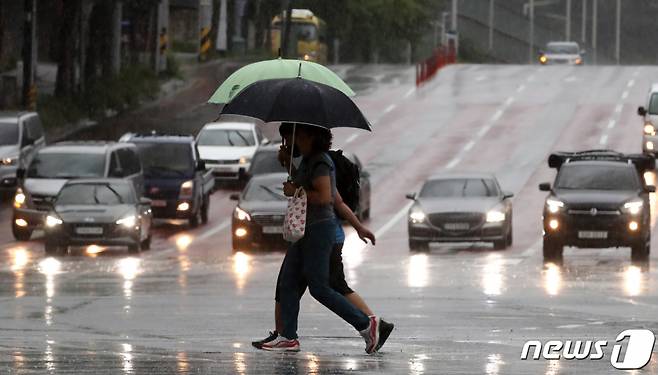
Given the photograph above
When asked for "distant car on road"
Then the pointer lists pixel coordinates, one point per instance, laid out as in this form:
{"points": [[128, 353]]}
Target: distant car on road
{"points": [[265, 161], [460, 208], [566, 53], [228, 147], [21, 136], [176, 179], [104, 212], [649, 114], [258, 217], [598, 200], [54, 165]]}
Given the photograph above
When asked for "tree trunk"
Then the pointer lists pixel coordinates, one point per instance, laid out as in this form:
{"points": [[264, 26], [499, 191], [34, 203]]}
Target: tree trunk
{"points": [[65, 81]]}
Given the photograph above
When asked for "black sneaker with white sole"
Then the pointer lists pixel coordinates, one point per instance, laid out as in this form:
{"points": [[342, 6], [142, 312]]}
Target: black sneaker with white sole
{"points": [[385, 329], [271, 337]]}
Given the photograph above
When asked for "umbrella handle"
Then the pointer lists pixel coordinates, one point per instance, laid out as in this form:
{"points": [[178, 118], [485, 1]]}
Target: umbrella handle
{"points": [[292, 151]]}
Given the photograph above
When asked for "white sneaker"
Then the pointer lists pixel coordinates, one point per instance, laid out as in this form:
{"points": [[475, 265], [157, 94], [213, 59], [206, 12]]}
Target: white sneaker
{"points": [[281, 344], [371, 334]]}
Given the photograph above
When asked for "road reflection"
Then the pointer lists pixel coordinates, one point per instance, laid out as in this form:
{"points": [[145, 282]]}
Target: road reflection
{"points": [[49, 358], [127, 358], [353, 249], [49, 267], [182, 363], [241, 269], [313, 364], [493, 364], [128, 268], [239, 363], [552, 368], [417, 364], [20, 258], [552, 279], [633, 281], [183, 241], [492, 275], [418, 271]]}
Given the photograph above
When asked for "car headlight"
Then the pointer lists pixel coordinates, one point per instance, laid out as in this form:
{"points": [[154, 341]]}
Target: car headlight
{"points": [[633, 207], [19, 198], [241, 214], [417, 216], [495, 216], [53, 221], [649, 129], [554, 205], [578, 61], [244, 160], [187, 188], [12, 160], [543, 59], [128, 221]]}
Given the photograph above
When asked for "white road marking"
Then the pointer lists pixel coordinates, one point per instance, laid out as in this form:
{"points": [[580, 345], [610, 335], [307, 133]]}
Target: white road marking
{"points": [[469, 145], [618, 108], [532, 249], [603, 140], [389, 108], [569, 326], [408, 93], [389, 224], [624, 95], [480, 78], [453, 162], [352, 138], [212, 231], [520, 88], [509, 102], [497, 115], [631, 83], [484, 130], [612, 123]]}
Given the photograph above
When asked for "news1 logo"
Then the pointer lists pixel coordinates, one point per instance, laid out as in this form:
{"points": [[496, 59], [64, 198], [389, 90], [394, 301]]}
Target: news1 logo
{"points": [[638, 345]]}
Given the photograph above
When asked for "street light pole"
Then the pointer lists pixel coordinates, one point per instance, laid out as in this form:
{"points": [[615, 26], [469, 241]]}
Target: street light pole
{"points": [[453, 16], [567, 26], [618, 33], [531, 11], [595, 20], [583, 26], [491, 24]]}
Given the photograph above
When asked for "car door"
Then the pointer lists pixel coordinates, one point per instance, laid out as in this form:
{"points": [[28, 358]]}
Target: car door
{"points": [[132, 168], [32, 139]]}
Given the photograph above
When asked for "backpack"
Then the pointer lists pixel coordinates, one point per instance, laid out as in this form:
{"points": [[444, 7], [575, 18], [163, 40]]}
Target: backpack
{"points": [[348, 179]]}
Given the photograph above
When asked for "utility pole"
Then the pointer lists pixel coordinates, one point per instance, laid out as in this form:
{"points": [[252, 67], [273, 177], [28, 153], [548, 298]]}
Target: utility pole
{"points": [[618, 33], [583, 25], [491, 24], [595, 20], [29, 54], [205, 21], [222, 26], [116, 36], [287, 23], [531, 10], [453, 16], [567, 25]]}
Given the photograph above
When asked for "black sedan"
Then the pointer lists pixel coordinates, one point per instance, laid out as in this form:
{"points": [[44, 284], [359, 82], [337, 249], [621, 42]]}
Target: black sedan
{"points": [[265, 161], [103, 212], [460, 208], [258, 218]]}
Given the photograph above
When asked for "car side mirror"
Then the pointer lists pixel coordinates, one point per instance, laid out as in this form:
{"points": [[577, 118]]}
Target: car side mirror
{"points": [[650, 188], [411, 196], [144, 201], [544, 186], [265, 141], [507, 195], [234, 196], [201, 165], [641, 111], [20, 173]]}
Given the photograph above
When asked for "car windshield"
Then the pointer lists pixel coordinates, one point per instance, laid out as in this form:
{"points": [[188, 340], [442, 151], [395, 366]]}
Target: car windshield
{"points": [[8, 133], [595, 177], [653, 104], [559, 48], [166, 159], [96, 194], [67, 165], [459, 187], [268, 191], [266, 162], [226, 137], [304, 32]]}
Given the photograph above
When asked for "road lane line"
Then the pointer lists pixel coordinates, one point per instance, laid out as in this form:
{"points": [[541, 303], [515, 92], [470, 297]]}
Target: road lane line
{"points": [[469, 145], [618, 108], [212, 231], [352, 138], [389, 224], [532, 249], [508, 102], [389, 108], [408, 93], [497, 115], [483, 131], [624, 95], [520, 88], [612, 123], [453, 162], [603, 140], [631, 83]]}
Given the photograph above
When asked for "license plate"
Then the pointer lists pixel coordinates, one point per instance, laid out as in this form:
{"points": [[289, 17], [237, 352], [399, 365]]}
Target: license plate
{"points": [[158, 203], [272, 230], [592, 235], [89, 230], [456, 226]]}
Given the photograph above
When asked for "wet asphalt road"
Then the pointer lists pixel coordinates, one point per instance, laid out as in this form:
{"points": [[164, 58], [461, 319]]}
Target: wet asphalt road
{"points": [[192, 305]]}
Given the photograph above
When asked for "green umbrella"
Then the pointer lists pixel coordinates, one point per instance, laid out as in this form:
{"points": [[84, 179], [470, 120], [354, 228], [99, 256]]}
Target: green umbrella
{"points": [[276, 69]]}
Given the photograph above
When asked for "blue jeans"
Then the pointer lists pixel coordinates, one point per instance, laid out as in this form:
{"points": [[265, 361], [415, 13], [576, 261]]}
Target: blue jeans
{"points": [[309, 258]]}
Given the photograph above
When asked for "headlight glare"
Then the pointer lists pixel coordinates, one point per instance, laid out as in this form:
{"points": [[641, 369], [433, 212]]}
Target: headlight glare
{"points": [[19, 198], [187, 188], [495, 216], [554, 205], [417, 216], [244, 160], [128, 221], [633, 207], [649, 129], [241, 214], [9, 161], [53, 221]]}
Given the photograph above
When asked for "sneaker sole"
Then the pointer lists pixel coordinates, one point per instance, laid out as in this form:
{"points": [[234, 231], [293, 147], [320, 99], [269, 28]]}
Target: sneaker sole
{"points": [[383, 336], [275, 349]]}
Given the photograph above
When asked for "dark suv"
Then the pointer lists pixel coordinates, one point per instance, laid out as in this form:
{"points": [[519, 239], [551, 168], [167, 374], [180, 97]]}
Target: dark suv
{"points": [[599, 200]]}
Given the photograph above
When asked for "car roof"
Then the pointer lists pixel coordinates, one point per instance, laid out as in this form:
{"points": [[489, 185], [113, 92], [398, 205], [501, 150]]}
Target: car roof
{"points": [[610, 163], [90, 147], [465, 175], [158, 138], [654, 88], [13, 115], [562, 43], [114, 181], [230, 125], [269, 177], [269, 148]]}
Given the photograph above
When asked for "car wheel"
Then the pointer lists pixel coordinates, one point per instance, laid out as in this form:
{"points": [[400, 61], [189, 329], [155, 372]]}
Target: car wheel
{"points": [[552, 250], [21, 234], [204, 209], [194, 220], [641, 249], [500, 244], [510, 238], [415, 245], [146, 244]]}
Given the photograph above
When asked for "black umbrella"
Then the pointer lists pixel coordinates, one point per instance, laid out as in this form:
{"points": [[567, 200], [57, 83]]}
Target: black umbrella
{"points": [[297, 100]]}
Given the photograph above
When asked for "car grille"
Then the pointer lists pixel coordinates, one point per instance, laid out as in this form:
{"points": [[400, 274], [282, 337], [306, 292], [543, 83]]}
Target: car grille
{"points": [[268, 220], [473, 219], [43, 202], [594, 212], [214, 161]]}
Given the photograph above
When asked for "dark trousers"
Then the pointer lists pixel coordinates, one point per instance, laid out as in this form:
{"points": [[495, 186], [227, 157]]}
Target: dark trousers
{"points": [[308, 259]]}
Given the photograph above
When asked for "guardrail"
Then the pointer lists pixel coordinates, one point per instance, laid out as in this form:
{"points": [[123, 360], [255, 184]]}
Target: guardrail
{"points": [[427, 69]]}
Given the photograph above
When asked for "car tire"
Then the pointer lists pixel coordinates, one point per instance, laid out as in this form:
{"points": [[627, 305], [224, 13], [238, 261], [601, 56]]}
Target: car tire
{"points": [[204, 209], [500, 245], [641, 249], [146, 244], [552, 250], [21, 234], [194, 220], [510, 237], [415, 245]]}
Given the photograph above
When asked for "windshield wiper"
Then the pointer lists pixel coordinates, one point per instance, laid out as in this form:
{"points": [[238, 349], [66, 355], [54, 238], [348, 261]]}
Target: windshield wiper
{"points": [[273, 193], [115, 193]]}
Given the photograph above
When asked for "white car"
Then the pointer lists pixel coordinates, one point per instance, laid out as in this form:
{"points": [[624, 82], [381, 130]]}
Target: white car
{"points": [[649, 114], [228, 147], [567, 53]]}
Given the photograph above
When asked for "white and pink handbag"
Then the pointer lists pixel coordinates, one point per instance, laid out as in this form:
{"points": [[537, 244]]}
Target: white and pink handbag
{"points": [[294, 224]]}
